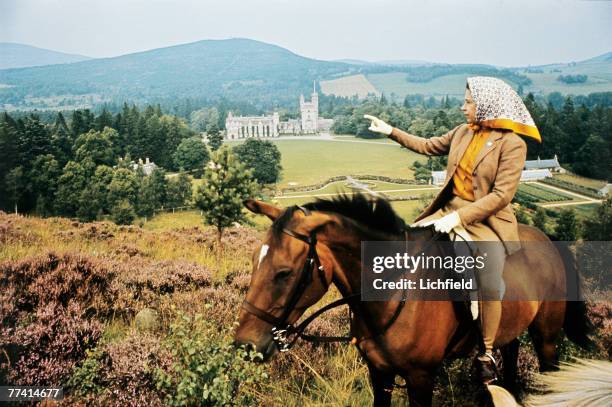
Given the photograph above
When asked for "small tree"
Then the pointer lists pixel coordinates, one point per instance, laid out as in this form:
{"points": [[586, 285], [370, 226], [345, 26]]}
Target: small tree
{"points": [[598, 226], [522, 216], [539, 219], [214, 136], [227, 182], [263, 157], [567, 227], [179, 191], [123, 213], [191, 154]]}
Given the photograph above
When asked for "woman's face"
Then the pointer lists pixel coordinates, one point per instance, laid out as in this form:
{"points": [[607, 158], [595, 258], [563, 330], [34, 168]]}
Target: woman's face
{"points": [[469, 108]]}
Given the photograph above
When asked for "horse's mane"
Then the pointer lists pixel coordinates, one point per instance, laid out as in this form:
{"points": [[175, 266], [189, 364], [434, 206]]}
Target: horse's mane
{"points": [[376, 214]]}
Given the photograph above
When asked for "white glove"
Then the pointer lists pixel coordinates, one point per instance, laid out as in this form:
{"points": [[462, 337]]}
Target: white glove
{"points": [[445, 224], [378, 126]]}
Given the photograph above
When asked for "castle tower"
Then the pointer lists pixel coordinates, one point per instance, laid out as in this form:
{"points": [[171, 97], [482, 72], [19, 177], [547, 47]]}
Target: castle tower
{"points": [[315, 97], [309, 112]]}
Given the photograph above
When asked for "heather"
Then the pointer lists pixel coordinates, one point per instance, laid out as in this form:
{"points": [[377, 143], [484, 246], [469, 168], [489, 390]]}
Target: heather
{"points": [[71, 293]]}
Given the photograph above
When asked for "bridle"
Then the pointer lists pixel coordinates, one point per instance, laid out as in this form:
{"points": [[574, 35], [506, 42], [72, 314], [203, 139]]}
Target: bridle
{"points": [[284, 334]]}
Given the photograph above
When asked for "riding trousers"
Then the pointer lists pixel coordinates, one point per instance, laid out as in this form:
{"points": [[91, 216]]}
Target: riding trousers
{"points": [[490, 282]]}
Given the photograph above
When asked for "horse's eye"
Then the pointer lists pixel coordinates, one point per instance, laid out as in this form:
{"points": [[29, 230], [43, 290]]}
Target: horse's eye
{"points": [[282, 274]]}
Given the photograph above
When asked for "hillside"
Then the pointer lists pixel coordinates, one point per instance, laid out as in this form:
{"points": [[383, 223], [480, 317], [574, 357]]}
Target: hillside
{"points": [[239, 69], [14, 55], [114, 313], [444, 79]]}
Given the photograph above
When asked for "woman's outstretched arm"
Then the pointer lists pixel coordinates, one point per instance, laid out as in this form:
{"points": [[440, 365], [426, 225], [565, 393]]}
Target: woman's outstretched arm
{"points": [[429, 146]]}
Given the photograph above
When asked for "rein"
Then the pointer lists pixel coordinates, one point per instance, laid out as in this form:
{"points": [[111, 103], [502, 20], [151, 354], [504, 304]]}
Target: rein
{"points": [[284, 334]]}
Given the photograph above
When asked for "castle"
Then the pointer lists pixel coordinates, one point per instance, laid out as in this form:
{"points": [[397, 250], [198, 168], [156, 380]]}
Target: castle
{"points": [[238, 127]]}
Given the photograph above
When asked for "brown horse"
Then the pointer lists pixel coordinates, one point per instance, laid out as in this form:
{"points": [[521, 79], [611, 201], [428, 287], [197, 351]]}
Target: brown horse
{"points": [[309, 248]]}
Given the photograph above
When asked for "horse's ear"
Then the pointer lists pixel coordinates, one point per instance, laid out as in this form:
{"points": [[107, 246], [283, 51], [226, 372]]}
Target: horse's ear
{"points": [[262, 208]]}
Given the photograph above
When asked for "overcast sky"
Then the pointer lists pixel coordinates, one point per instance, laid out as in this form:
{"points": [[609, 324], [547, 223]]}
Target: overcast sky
{"points": [[500, 32]]}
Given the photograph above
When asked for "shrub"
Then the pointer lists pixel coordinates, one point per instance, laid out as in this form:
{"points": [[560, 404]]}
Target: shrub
{"points": [[207, 369], [123, 213], [50, 310]]}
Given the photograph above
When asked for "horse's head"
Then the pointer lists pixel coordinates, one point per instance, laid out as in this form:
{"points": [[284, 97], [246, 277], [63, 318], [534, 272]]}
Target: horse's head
{"points": [[291, 272]]}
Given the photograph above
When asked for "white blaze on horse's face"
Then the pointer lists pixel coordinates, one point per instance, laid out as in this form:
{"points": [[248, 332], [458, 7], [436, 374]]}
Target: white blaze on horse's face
{"points": [[262, 253]]}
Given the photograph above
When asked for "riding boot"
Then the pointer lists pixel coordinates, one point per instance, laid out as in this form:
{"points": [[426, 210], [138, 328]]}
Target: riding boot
{"points": [[490, 318]]}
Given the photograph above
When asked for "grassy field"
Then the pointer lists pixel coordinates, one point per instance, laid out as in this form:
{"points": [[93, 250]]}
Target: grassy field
{"points": [[578, 180], [307, 162], [395, 82], [599, 80], [349, 86]]}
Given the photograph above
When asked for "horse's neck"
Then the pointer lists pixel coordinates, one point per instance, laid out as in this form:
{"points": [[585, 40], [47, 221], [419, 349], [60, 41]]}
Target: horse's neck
{"points": [[347, 277], [347, 252]]}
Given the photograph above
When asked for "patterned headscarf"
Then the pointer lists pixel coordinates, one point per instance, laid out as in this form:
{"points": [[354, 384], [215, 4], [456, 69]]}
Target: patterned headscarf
{"points": [[499, 106]]}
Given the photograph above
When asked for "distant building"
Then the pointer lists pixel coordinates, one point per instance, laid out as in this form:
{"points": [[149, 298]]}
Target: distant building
{"points": [[438, 177], [550, 164], [147, 166], [239, 127], [535, 175], [605, 190]]}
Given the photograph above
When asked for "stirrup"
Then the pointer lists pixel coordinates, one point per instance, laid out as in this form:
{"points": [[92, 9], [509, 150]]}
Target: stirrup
{"points": [[487, 369]]}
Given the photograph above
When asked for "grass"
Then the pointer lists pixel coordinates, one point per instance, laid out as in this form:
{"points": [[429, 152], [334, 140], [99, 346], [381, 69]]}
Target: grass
{"points": [[307, 162], [599, 80], [395, 82], [349, 86], [582, 181], [310, 162], [155, 241], [173, 221]]}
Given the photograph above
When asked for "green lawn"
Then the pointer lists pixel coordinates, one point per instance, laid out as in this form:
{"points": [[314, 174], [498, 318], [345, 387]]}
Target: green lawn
{"points": [[307, 162]]}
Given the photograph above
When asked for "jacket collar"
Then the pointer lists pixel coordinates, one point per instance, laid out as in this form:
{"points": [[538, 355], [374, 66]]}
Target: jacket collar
{"points": [[489, 146]]}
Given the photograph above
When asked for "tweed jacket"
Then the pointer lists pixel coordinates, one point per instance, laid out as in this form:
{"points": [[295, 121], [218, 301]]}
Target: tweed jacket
{"points": [[495, 177]]}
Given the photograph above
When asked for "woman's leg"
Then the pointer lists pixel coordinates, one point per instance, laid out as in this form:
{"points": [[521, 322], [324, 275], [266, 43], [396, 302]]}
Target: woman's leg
{"points": [[491, 288]]}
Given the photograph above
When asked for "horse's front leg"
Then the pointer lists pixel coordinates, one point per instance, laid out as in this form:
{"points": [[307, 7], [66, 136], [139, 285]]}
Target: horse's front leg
{"points": [[510, 358], [382, 386], [420, 384]]}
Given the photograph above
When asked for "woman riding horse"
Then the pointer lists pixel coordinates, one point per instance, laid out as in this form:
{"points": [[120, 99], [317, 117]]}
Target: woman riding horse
{"points": [[485, 160]]}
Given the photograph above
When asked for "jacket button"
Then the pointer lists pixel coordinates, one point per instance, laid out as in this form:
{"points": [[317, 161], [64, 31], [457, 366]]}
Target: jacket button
{"points": [[475, 186], [474, 173]]}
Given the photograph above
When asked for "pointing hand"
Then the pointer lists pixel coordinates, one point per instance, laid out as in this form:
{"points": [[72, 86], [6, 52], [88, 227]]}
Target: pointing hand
{"points": [[378, 126]]}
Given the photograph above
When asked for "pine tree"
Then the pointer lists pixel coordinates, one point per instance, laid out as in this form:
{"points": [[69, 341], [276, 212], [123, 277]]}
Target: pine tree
{"points": [[15, 185], [540, 219], [567, 226], [227, 183], [214, 137], [105, 119], [598, 226]]}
